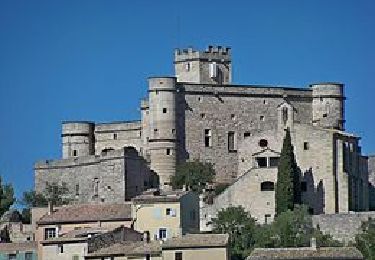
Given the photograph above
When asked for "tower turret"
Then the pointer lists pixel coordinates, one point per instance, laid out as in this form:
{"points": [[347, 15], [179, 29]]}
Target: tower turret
{"points": [[213, 66], [77, 139], [328, 105], [162, 114]]}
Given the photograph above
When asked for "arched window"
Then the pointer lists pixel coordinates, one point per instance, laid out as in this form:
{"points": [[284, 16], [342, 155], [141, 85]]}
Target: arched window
{"points": [[267, 186]]}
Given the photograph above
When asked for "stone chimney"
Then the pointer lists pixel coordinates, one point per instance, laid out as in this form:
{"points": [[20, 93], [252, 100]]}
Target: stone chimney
{"points": [[50, 207]]}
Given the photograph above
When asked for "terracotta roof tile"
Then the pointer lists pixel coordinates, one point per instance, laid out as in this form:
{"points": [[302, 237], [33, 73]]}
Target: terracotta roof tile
{"points": [[197, 240], [88, 213], [129, 248], [21, 246]]}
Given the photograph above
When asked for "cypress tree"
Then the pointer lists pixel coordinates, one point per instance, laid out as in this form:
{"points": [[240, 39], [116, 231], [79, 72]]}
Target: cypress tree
{"points": [[288, 190]]}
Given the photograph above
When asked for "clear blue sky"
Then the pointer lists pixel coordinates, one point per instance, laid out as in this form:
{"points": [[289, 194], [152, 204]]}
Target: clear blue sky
{"points": [[88, 60]]}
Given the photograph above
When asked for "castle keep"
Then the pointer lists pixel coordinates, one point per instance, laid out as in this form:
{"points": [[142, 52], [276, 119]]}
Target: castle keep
{"points": [[199, 114]]}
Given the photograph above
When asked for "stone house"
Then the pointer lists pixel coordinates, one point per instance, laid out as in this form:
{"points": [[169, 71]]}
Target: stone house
{"points": [[166, 214], [19, 251], [187, 247], [76, 244]]}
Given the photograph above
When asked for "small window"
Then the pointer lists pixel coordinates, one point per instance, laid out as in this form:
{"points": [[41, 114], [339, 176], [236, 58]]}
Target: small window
{"points": [[162, 233], [246, 134], [263, 143], [233, 116], [168, 211], [274, 161], [49, 233], [178, 256], [173, 131], [12, 257], [303, 186], [264, 102], [75, 152], [267, 186], [261, 118], [168, 152], [306, 146], [28, 256], [148, 257], [77, 189], [203, 115], [261, 162], [231, 142], [164, 110], [267, 218], [114, 136], [187, 66], [325, 115], [207, 138]]}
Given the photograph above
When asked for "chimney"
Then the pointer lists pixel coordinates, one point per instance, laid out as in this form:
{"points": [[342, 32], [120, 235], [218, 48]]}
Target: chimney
{"points": [[50, 207]]}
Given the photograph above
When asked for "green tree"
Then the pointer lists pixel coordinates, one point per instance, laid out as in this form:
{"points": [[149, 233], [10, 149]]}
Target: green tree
{"points": [[365, 242], [56, 194], [193, 174], [288, 190], [240, 226], [6, 197]]}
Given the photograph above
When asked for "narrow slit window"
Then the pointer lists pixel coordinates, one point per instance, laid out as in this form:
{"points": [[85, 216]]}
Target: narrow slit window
{"points": [[207, 138], [231, 141]]}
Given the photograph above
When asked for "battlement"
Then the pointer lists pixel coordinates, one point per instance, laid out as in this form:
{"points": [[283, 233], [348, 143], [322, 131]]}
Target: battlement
{"points": [[211, 53]]}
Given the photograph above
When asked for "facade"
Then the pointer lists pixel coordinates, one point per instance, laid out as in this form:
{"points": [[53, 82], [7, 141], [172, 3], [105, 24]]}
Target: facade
{"points": [[166, 214], [75, 245], [11, 224], [18, 251], [199, 114]]}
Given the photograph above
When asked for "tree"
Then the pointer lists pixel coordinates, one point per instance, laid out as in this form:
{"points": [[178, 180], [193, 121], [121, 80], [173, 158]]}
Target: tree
{"points": [[193, 174], [365, 242], [57, 195], [240, 226], [6, 197], [288, 190]]}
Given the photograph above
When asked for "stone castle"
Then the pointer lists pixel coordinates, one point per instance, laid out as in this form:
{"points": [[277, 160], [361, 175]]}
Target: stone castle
{"points": [[199, 114]]}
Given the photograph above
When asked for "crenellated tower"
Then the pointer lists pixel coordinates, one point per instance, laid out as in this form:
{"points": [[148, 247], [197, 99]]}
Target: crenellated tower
{"points": [[77, 139], [328, 105], [212, 66], [162, 116]]}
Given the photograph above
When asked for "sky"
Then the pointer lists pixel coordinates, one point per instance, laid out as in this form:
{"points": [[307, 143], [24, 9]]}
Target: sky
{"points": [[90, 59]]}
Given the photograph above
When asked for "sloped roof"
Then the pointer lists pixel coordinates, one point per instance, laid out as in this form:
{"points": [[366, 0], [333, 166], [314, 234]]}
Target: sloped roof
{"points": [[197, 240], [88, 213], [305, 253], [20, 246], [128, 248], [155, 195]]}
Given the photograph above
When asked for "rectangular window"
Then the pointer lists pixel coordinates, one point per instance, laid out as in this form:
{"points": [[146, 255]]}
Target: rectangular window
{"points": [[231, 142], [246, 134], [77, 189], [114, 136], [75, 257], [164, 110], [28, 256], [178, 256], [12, 257], [168, 211], [75, 153], [207, 138], [261, 162], [168, 152], [162, 233], [49, 233], [306, 146], [267, 218], [274, 161]]}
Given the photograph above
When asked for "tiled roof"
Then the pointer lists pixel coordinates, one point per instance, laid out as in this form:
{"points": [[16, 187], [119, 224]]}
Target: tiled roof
{"points": [[305, 253], [155, 195], [197, 240], [88, 213], [129, 248], [20, 246]]}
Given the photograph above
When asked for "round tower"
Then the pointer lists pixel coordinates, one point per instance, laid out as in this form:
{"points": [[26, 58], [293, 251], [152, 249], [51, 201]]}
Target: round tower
{"points": [[162, 140], [77, 139], [328, 105]]}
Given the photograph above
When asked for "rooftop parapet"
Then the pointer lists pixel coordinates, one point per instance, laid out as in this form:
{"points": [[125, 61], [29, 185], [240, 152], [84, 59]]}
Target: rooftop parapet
{"points": [[212, 52]]}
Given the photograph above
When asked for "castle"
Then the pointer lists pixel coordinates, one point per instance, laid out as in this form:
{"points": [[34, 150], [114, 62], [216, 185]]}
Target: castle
{"points": [[199, 114]]}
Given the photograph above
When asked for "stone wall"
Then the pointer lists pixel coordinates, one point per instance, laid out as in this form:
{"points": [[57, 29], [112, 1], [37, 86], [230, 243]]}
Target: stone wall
{"points": [[342, 226], [241, 109], [114, 177]]}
